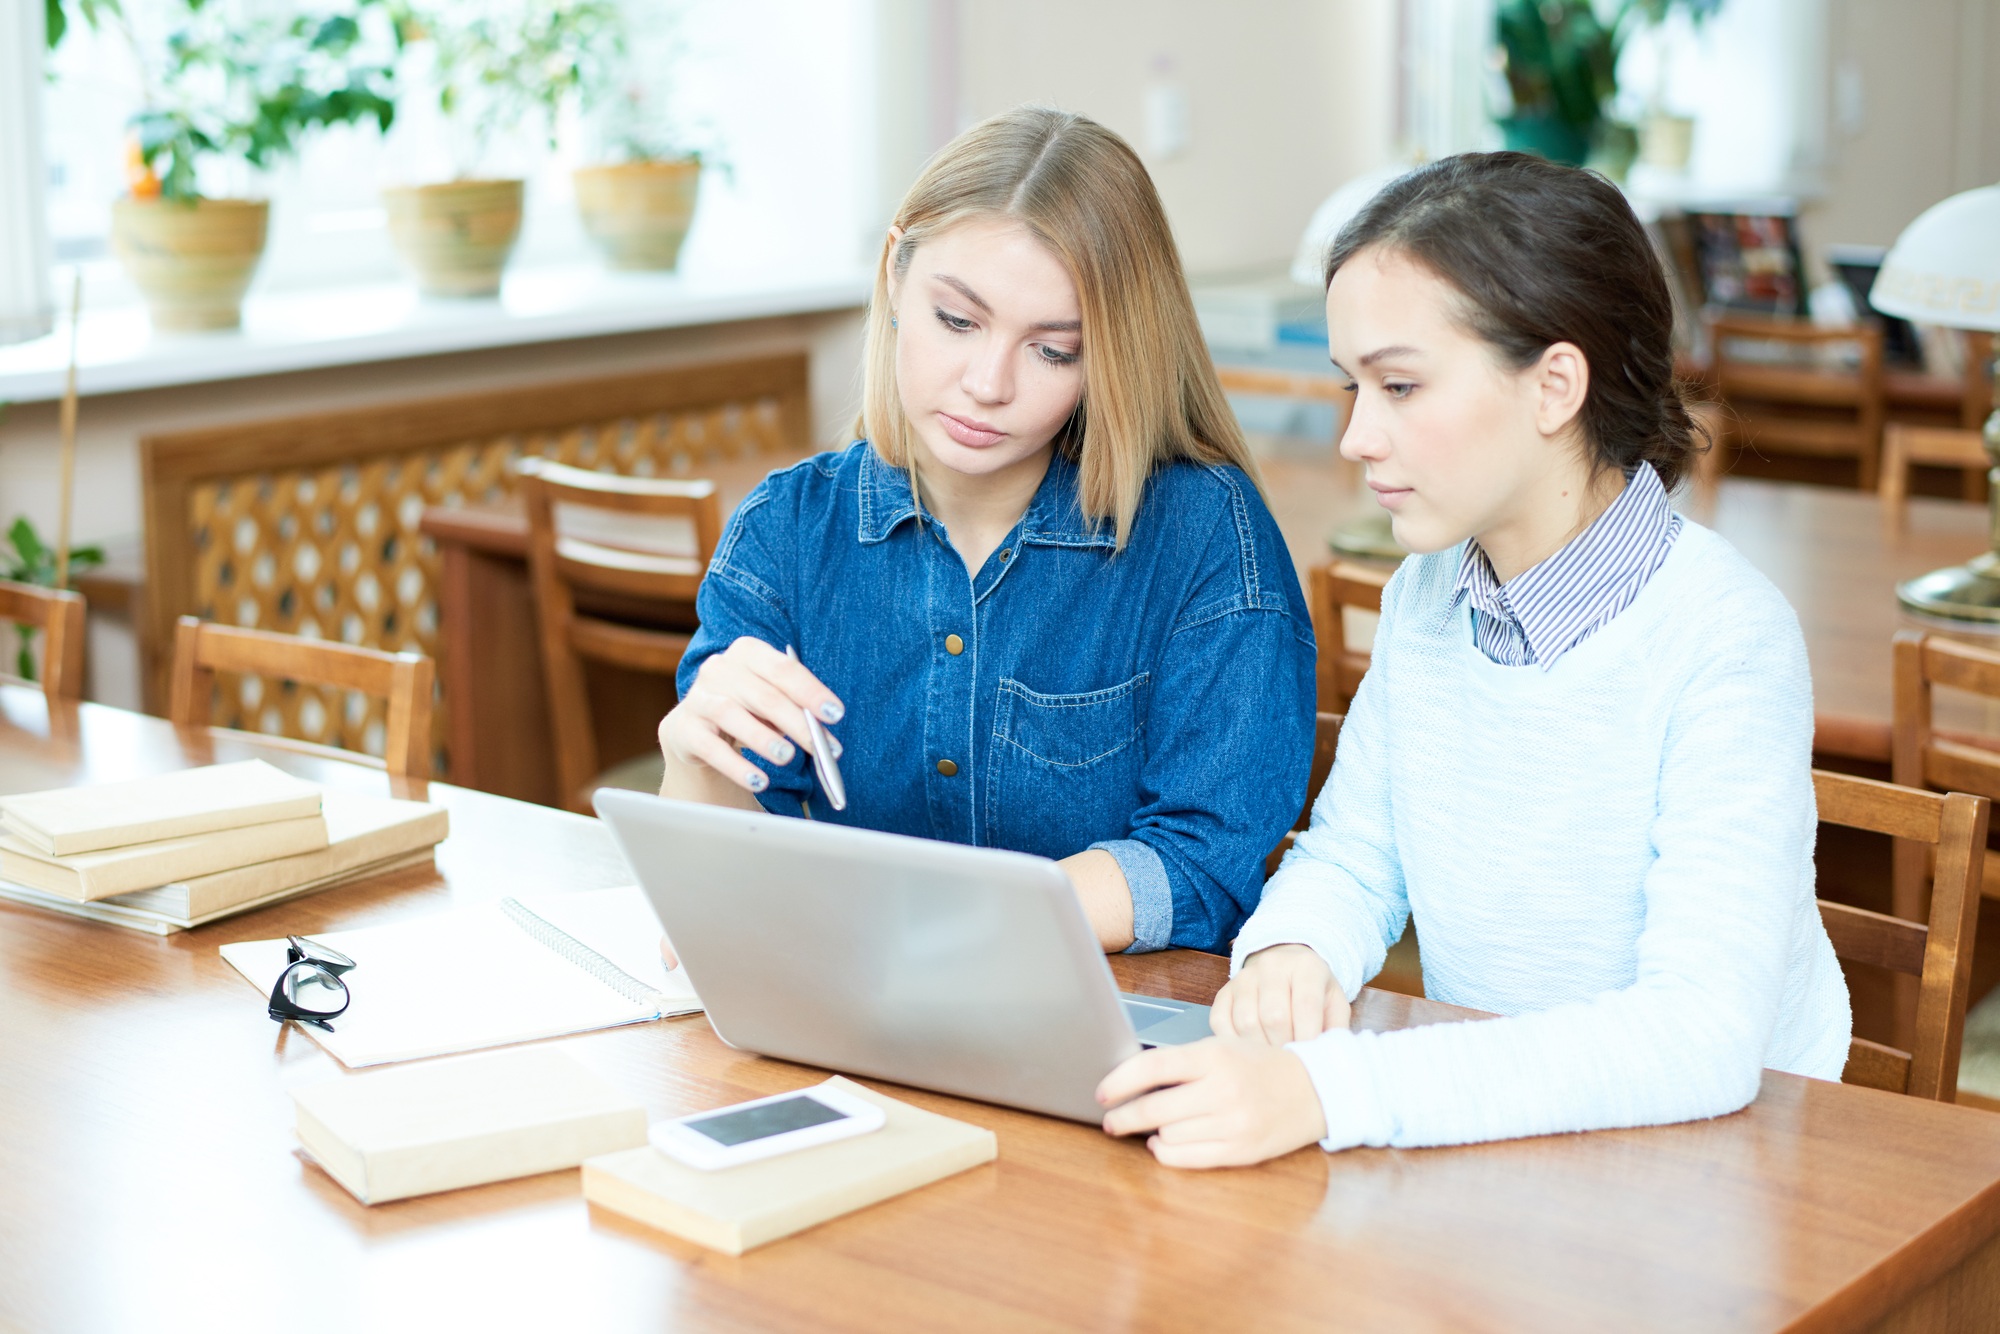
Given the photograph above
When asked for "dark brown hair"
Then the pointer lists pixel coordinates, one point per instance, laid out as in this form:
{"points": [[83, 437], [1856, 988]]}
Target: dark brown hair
{"points": [[1544, 254]]}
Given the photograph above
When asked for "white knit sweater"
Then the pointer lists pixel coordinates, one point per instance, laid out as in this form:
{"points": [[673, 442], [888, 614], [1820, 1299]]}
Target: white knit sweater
{"points": [[1617, 853]]}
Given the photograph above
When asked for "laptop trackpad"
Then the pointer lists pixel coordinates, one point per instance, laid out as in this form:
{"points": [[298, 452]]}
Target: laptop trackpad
{"points": [[1164, 1023]]}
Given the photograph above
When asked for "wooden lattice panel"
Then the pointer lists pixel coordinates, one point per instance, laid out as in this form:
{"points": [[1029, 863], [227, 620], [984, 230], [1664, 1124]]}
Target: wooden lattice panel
{"points": [[331, 549]]}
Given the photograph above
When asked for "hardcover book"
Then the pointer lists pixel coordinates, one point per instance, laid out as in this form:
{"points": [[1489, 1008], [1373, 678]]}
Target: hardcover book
{"points": [[66, 821], [447, 1124], [85, 876], [738, 1208]]}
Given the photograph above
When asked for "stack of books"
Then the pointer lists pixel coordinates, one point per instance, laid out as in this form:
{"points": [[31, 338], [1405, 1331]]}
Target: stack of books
{"points": [[174, 851]]}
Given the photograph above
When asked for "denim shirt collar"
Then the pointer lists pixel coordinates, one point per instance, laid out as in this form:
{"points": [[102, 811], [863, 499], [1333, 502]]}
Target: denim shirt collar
{"points": [[1053, 518]]}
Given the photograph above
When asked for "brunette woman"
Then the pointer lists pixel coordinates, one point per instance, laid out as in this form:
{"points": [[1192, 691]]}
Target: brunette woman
{"points": [[1581, 758]]}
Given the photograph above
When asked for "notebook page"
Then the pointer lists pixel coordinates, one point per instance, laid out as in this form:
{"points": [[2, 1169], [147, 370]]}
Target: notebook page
{"points": [[455, 981], [620, 925]]}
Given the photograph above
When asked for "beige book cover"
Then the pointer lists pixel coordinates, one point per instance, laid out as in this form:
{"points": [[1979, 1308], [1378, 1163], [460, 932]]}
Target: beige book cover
{"points": [[737, 1208], [85, 876], [65, 821], [462, 1122], [360, 830], [115, 912]]}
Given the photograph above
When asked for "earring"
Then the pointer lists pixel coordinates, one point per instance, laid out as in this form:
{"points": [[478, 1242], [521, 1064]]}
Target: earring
{"points": [[892, 321]]}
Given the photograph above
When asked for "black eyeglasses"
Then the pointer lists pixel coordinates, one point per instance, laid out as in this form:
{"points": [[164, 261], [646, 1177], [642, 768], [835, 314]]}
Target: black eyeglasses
{"points": [[310, 989]]}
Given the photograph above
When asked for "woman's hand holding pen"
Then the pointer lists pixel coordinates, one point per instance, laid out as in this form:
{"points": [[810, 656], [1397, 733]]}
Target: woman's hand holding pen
{"points": [[750, 697]]}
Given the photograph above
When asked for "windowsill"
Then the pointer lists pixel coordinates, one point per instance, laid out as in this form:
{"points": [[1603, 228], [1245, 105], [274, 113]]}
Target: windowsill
{"points": [[117, 351]]}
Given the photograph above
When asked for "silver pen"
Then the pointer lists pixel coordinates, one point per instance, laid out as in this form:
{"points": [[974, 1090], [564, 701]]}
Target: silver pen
{"points": [[822, 754]]}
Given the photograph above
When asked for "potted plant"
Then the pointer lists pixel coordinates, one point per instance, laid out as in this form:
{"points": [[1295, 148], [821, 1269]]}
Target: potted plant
{"points": [[1666, 140], [638, 201], [494, 67], [229, 85], [1562, 72], [1561, 68]]}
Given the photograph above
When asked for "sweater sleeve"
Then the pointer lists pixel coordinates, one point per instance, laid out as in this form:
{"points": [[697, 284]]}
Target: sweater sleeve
{"points": [[1340, 889], [1733, 827]]}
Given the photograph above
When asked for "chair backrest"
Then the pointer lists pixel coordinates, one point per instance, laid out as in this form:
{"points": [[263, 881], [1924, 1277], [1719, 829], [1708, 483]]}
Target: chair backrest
{"points": [[1329, 589], [1904, 445], [58, 615], [1326, 740], [1938, 951], [405, 680], [1919, 755], [623, 557], [1786, 408]]}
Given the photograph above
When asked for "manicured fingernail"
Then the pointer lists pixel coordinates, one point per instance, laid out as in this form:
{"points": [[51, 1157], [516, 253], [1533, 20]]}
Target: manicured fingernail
{"points": [[758, 782], [838, 749], [783, 752], [831, 713]]}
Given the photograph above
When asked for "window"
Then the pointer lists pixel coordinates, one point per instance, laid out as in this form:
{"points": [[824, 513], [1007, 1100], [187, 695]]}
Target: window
{"points": [[777, 87]]}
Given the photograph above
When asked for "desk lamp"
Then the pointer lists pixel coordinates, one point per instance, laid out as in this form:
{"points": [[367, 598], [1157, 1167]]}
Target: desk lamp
{"points": [[1945, 269]]}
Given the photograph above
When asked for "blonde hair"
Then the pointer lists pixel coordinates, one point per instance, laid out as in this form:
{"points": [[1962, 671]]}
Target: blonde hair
{"points": [[1150, 394]]}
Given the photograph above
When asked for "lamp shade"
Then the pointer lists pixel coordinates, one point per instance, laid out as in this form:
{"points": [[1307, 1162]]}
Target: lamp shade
{"points": [[1945, 267]]}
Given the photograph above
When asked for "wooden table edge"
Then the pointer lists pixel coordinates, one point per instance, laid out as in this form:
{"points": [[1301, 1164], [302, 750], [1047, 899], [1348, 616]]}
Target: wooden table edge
{"points": [[1889, 1285]]}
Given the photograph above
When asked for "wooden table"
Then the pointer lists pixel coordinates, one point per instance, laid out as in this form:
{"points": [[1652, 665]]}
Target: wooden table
{"points": [[149, 1177]]}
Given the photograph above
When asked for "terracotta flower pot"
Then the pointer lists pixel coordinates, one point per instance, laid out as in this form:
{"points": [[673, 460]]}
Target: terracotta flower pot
{"points": [[638, 212], [456, 237], [193, 259]]}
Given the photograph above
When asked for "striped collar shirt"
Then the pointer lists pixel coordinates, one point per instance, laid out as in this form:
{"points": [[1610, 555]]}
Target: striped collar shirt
{"points": [[1543, 613]]}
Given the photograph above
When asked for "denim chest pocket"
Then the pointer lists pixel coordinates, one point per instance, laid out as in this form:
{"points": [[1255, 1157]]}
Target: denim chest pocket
{"points": [[1065, 768]]}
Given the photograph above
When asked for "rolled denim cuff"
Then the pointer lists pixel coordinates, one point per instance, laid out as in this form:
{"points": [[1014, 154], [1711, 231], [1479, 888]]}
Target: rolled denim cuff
{"points": [[1152, 896]]}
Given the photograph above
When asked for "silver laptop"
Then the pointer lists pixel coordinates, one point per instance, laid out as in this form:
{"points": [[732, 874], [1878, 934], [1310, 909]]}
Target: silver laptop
{"points": [[966, 970]]}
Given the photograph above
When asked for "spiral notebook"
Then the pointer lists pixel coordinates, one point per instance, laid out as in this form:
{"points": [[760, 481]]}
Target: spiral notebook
{"points": [[518, 970]]}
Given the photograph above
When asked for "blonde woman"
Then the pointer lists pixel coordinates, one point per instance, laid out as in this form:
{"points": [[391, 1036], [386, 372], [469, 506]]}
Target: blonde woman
{"points": [[1041, 596]]}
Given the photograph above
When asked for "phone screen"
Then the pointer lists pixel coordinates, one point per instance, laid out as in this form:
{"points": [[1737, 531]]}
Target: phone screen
{"points": [[772, 1118]]}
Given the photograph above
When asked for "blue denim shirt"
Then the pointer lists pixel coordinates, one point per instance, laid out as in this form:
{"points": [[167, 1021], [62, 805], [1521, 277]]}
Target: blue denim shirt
{"points": [[1156, 702]]}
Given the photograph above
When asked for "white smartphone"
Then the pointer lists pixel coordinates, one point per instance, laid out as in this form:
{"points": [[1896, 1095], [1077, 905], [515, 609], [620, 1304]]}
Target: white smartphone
{"points": [[766, 1127]]}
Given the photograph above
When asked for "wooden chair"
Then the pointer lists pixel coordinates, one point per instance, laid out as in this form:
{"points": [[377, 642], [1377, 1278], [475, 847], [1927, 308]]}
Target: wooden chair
{"points": [[1789, 408], [202, 649], [59, 615], [618, 573], [1922, 757], [1330, 588], [1939, 951], [1904, 445], [1326, 739]]}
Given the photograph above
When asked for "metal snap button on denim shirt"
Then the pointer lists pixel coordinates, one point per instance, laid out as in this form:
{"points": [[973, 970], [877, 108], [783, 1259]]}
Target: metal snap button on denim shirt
{"points": [[1155, 702]]}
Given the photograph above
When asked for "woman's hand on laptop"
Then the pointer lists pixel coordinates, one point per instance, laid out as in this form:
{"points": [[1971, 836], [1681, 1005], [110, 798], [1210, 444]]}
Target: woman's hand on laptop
{"points": [[1220, 1102], [1282, 994], [750, 697]]}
